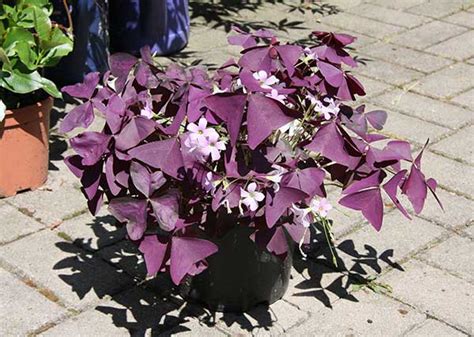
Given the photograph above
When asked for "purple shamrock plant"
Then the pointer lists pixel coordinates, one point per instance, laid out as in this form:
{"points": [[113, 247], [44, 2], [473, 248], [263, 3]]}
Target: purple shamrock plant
{"points": [[182, 152]]}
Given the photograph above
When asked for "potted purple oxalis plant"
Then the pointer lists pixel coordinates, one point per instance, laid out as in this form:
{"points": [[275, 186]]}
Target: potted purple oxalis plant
{"points": [[215, 176]]}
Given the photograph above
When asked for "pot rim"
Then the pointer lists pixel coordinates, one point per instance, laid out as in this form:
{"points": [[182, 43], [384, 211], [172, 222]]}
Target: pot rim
{"points": [[27, 114]]}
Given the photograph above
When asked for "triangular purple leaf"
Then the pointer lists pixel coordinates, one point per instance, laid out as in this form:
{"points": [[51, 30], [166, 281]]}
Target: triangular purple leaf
{"points": [[185, 253]]}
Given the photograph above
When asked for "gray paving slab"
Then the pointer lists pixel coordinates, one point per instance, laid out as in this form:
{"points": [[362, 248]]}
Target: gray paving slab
{"points": [[466, 99], [438, 9], [432, 327], [388, 72], [370, 315], [459, 47], [388, 15], [426, 108], [399, 4], [76, 277], [449, 173], [406, 57], [447, 82], [435, 292], [93, 232], [453, 255], [427, 35], [14, 224], [368, 252], [462, 18], [22, 308], [458, 146], [361, 25]]}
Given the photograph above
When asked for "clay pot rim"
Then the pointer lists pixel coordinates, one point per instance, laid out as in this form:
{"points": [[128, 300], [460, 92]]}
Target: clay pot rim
{"points": [[27, 114]]}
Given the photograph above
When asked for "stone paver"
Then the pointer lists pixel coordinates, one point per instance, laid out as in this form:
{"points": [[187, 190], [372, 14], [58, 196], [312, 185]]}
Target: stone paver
{"points": [[447, 82], [409, 128], [93, 233], [458, 146], [54, 202], [74, 276], [367, 252], [462, 18], [459, 47], [370, 315], [427, 35], [84, 279], [406, 57], [387, 15], [466, 98], [22, 308], [458, 210], [426, 108], [261, 321], [453, 255], [449, 173], [439, 8], [399, 4], [435, 292], [361, 25], [15, 224], [388, 72], [433, 327]]}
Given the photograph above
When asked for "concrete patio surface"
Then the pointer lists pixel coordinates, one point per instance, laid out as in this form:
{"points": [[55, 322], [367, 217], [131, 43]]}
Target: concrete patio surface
{"points": [[65, 273]]}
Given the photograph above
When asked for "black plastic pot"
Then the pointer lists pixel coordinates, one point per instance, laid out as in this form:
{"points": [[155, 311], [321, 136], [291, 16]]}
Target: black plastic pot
{"points": [[240, 275]]}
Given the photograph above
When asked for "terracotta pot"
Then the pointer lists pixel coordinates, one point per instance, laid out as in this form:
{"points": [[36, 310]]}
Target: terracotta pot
{"points": [[24, 148]]}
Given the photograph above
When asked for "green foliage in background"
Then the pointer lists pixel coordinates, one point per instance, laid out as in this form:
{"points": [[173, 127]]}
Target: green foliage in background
{"points": [[29, 41]]}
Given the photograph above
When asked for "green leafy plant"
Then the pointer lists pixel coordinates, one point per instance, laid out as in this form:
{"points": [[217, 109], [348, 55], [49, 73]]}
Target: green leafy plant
{"points": [[29, 42]]}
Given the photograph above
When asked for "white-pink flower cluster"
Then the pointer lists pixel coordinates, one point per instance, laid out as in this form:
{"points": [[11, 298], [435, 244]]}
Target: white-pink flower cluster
{"points": [[203, 142]]}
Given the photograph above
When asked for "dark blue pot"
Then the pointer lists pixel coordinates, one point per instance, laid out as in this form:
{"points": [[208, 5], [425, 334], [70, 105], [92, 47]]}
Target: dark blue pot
{"points": [[90, 40], [161, 24]]}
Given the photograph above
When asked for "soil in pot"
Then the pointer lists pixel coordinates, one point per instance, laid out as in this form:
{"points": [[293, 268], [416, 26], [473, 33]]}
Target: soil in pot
{"points": [[24, 147], [240, 275]]}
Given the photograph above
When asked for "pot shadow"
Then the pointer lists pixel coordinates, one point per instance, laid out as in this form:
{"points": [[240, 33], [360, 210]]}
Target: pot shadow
{"points": [[57, 143], [155, 306]]}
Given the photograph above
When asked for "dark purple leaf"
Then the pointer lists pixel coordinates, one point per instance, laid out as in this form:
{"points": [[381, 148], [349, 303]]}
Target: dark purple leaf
{"points": [[391, 187], [229, 108], [133, 212], [377, 118], [330, 143], [86, 89], [415, 189], [277, 204], [186, 253], [134, 132], [121, 64], [372, 180], [166, 210], [91, 146], [309, 180], [165, 155], [154, 253], [81, 116], [264, 116], [278, 244], [369, 202]]}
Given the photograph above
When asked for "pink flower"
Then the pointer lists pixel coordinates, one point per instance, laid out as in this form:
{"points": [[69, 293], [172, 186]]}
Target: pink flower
{"points": [[199, 133], [274, 94], [303, 216], [211, 146], [251, 197], [147, 111], [265, 81], [320, 206]]}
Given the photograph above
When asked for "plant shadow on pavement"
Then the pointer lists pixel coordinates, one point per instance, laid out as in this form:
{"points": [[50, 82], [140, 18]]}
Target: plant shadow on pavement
{"points": [[225, 13], [145, 306]]}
